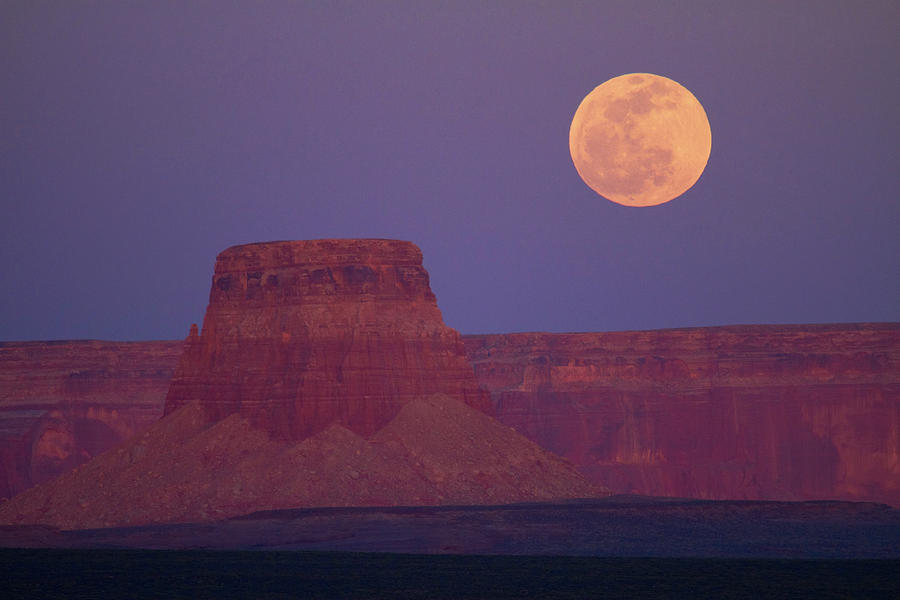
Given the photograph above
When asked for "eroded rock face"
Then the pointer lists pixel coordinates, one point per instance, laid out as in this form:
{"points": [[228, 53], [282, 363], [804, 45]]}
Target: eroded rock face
{"points": [[333, 338], [781, 412], [300, 335], [63, 402]]}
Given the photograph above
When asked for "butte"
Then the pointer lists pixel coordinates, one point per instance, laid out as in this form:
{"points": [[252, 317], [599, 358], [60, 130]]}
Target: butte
{"points": [[299, 335], [324, 375]]}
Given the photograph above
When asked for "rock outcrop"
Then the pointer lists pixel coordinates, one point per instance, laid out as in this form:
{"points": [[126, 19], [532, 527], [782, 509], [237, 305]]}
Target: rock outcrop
{"points": [[757, 412], [778, 412], [435, 451], [324, 343], [63, 402], [307, 349], [300, 335]]}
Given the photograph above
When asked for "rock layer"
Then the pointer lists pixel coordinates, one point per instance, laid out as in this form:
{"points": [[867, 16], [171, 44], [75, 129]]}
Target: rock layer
{"points": [[333, 338], [757, 412], [63, 402], [779, 412], [300, 335]]}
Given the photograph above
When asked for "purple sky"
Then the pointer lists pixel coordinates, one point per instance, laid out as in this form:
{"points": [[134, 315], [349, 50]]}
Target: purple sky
{"points": [[139, 139]]}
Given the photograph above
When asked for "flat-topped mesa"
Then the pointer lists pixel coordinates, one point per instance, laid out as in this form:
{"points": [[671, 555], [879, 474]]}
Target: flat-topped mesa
{"points": [[318, 271], [299, 335]]}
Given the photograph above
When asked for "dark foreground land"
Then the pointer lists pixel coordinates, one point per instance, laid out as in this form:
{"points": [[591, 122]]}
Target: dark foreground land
{"points": [[610, 527], [626, 547], [43, 573]]}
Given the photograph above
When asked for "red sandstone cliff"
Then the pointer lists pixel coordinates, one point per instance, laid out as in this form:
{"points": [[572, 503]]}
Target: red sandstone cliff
{"points": [[769, 412], [307, 348], [785, 412], [63, 402], [300, 335]]}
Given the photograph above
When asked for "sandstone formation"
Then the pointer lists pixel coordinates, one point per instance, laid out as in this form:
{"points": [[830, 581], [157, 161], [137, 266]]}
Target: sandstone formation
{"points": [[768, 412], [435, 451], [300, 335], [310, 349], [307, 349], [779, 412], [63, 402]]}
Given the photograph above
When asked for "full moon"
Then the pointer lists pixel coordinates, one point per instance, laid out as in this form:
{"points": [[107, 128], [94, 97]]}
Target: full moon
{"points": [[640, 139]]}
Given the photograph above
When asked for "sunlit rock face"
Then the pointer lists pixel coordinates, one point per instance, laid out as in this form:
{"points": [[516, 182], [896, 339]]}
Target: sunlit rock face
{"points": [[300, 335], [324, 376], [785, 412], [333, 338], [63, 402]]}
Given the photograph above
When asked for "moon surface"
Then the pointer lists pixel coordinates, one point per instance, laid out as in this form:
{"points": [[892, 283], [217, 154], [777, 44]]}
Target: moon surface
{"points": [[640, 139]]}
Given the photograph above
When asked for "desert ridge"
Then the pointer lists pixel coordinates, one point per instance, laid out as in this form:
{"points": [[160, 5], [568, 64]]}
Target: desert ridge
{"points": [[324, 375], [436, 451], [338, 345], [755, 412]]}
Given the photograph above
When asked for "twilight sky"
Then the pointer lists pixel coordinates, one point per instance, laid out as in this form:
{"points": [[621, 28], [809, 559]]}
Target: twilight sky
{"points": [[139, 139]]}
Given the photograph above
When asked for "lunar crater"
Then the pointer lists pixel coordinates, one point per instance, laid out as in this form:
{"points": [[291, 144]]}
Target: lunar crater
{"points": [[640, 140]]}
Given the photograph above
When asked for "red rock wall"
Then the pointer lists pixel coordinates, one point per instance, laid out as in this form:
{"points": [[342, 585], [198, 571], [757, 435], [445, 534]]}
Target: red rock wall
{"points": [[64, 402], [300, 335], [756, 412], [769, 412]]}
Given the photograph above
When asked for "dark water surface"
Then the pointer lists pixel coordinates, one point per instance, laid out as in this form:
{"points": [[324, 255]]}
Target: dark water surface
{"points": [[224, 574]]}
